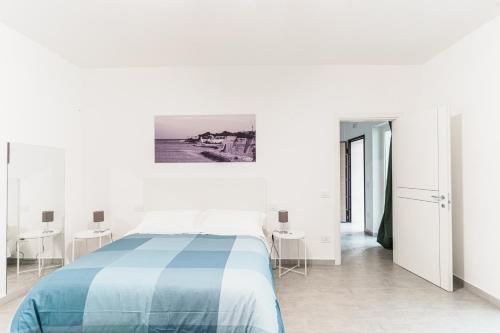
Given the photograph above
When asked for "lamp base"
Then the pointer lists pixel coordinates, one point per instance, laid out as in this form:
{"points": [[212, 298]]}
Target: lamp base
{"points": [[283, 228], [46, 230], [99, 229]]}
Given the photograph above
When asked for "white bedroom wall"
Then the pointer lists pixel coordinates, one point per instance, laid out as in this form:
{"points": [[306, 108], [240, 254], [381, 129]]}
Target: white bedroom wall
{"points": [[466, 78], [39, 102], [297, 111]]}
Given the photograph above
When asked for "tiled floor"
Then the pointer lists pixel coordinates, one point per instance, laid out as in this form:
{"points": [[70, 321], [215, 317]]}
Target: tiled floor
{"points": [[368, 293], [16, 285], [6, 313], [27, 278]]}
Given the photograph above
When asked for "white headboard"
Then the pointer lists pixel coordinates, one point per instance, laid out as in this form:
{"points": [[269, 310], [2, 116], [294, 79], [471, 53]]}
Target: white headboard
{"points": [[205, 193]]}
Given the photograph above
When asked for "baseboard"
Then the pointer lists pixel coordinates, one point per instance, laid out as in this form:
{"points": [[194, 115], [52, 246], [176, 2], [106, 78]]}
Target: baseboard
{"points": [[49, 261], [371, 233], [458, 283], [476, 291]]}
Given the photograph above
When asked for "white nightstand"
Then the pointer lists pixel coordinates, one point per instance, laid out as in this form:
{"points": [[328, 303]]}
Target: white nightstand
{"points": [[90, 234], [40, 235], [297, 236]]}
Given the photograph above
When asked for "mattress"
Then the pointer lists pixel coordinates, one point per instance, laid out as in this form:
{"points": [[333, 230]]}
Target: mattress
{"points": [[158, 283]]}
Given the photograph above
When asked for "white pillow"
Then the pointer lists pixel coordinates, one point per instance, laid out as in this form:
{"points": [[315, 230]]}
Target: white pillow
{"points": [[168, 222], [232, 222]]}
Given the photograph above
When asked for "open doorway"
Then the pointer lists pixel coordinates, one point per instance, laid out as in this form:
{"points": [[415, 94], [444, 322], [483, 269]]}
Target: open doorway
{"points": [[355, 184], [416, 205], [364, 156]]}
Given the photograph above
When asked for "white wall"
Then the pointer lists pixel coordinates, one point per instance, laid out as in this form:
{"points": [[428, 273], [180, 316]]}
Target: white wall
{"points": [[466, 77], [297, 112], [39, 102]]}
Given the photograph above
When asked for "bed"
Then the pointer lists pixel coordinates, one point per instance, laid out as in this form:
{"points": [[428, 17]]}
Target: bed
{"points": [[210, 276]]}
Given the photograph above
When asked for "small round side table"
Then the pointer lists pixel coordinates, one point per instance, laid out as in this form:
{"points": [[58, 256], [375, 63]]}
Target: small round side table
{"points": [[40, 235], [90, 234], [297, 236]]}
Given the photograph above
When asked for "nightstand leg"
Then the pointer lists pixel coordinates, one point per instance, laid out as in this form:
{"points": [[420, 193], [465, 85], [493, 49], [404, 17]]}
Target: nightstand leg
{"points": [[305, 257], [279, 258], [73, 251], [17, 254], [39, 255], [42, 263], [100, 241], [298, 253]]}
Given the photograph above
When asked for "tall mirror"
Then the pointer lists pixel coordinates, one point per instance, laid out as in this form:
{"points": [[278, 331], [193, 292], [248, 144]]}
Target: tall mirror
{"points": [[35, 214]]}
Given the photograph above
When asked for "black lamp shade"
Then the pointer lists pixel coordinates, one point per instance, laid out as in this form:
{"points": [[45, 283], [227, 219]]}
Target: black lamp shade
{"points": [[283, 216], [99, 216], [48, 216]]}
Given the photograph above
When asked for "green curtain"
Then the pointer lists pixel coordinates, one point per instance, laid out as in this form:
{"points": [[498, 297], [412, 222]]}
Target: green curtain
{"points": [[384, 236]]}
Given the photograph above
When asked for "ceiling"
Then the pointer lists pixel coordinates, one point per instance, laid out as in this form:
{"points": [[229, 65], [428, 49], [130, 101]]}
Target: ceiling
{"points": [[124, 33]]}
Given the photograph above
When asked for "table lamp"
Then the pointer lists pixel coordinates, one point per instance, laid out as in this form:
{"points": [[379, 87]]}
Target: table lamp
{"points": [[99, 218], [47, 217], [283, 220]]}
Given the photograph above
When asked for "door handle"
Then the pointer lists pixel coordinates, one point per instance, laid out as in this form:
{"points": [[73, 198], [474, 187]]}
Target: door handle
{"points": [[440, 197]]}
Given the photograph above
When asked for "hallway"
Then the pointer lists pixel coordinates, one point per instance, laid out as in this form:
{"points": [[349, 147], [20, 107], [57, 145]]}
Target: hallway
{"points": [[368, 293]]}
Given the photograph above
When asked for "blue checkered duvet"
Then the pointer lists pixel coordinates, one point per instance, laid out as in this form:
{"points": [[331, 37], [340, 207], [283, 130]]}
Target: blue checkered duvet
{"points": [[158, 283]]}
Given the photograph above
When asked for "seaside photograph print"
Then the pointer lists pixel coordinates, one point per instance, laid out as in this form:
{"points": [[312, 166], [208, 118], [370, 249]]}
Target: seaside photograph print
{"points": [[205, 139]]}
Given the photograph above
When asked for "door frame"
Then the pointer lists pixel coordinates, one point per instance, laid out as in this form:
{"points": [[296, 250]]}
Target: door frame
{"points": [[337, 215], [349, 181], [446, 237], [346, 186]]}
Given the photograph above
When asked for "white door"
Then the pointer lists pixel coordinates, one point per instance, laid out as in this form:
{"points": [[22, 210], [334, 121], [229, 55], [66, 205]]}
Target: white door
{"points": [[422, 202]]}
